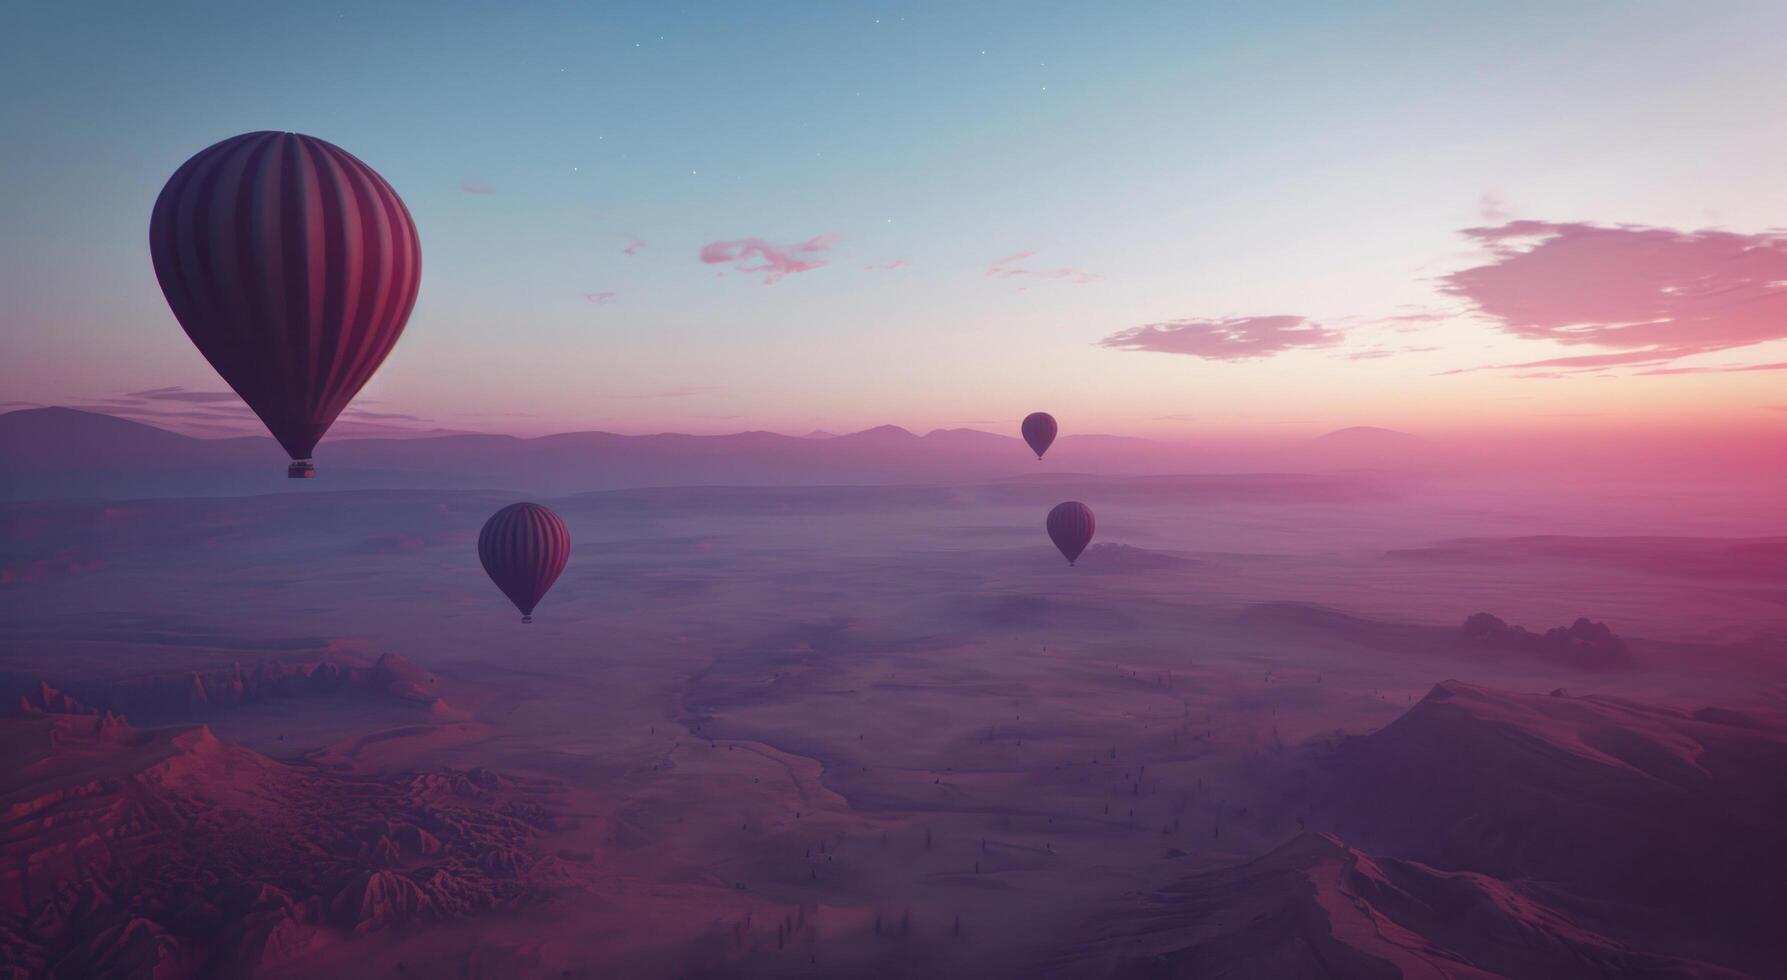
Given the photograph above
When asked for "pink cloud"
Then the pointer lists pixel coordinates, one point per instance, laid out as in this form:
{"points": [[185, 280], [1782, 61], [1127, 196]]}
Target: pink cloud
{"points": [[776, 262], [1579, 362], [887, 266], [1777, 366], [634, 244], [476, 187], [1652, 294], [1411, 322], [1009, 268], [602, 298], [1231, 339]]}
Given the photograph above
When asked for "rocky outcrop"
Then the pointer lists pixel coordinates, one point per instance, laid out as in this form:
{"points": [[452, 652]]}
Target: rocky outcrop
{"points": [[395, 677], [379, 900], [1583, 643], [44, 699]]}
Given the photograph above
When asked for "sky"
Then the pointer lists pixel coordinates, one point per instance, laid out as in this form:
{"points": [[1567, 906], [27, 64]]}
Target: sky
{"points": [[1173, 220]]}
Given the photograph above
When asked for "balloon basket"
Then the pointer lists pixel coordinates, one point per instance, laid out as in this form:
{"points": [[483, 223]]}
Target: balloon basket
{"points": [[527, 619], [301, 469]]}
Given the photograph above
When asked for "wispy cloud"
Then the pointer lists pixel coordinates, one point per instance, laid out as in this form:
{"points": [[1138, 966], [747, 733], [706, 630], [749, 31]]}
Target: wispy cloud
{"points": [[602, 298], [1723, 369], [1011, 267], [178, 394], [1493, 207], [888, 266], [1231, 339], [224, 414], [362, 413], [634, 244], [471, 186], [776, 262], [1412, 322]]}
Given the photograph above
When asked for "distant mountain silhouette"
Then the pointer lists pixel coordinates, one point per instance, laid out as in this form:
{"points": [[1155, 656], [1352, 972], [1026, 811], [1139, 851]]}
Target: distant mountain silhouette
{"points": [[1369, 447], [59, 452], [1367, 435], [65, 437]]}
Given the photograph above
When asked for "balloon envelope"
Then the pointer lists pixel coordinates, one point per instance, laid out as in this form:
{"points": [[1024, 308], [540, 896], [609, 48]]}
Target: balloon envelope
{"points": [[1070, 526], [524, 547], [293, 267], [1039, 431]]}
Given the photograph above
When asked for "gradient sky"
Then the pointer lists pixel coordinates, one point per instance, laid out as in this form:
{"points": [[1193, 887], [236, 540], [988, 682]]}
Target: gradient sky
{"points": [[1163, 219]]}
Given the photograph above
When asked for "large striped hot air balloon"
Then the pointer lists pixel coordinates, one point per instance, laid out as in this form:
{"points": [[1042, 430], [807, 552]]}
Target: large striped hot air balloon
{"points": [[524, 547], [1070, 526], [293, 267], [1039, 431]]}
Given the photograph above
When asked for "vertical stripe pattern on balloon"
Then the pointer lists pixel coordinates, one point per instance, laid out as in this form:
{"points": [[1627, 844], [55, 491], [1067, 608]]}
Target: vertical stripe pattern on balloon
{"points": [[293, 267], [523, 548]]}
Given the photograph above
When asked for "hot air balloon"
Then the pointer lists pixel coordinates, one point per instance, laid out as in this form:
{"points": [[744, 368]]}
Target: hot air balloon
{"points": [[1070, 526], [1039, 431], [524, 547], [293, 267]]}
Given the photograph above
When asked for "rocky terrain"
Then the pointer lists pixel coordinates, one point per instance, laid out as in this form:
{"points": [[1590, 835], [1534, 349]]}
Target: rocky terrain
{"points": [[1657, 826], [183, 694], [1316, 908], [169, 852], [880, 732], [1583, 643]]}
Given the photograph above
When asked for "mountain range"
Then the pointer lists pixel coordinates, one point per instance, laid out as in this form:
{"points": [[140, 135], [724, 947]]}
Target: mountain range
{"points": [[61, 452], [1485, 834]]}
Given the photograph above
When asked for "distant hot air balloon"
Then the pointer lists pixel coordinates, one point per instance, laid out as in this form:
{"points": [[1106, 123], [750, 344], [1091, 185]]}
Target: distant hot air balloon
{"points": [[524, 547], [1039, 431], [1070, 526], [293, 267]]}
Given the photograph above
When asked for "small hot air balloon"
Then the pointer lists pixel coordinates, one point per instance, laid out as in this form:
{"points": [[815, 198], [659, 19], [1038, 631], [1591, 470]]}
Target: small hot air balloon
{"points": [[1039, 431], [1070, 526], [524, 547], [293, 267]]}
